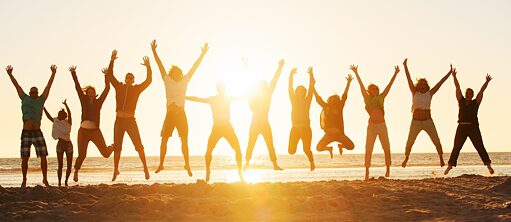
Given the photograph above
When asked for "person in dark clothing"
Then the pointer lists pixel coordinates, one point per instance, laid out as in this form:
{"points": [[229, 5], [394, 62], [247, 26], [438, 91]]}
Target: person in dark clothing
{"points": [[332, 121], [32, 106], [89, 127], [468, 124], [260, 106], [126, 95], [61, 131], [301, 99]]}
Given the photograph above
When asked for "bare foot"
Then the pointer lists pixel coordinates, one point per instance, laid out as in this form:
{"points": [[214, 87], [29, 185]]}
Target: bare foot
{"points": [[404, 162], [160, 168], [116, 173], [442, 163], [45, 182], [75, 176], [247, 165], [449, 168], [66, 183], [60, 184], [367, 176], [330, 150], [277, 168], [189, 170], [387, 173], [313, 166], [340, 148], [24, 183], [207, 175], [147, 176], [490, 169]]}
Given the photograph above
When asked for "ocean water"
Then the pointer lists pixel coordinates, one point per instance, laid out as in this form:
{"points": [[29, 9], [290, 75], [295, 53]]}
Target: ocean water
{"points": [[97, 170]]}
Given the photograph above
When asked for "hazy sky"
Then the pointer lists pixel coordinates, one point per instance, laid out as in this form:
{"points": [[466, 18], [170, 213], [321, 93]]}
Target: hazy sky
{"points": [[247, 38]]}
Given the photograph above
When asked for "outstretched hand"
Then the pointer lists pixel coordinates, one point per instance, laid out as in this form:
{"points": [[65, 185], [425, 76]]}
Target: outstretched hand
{"points": [[205, 48], [154, 45], [396, 70], [72, 69], [146, 62], [349, 78], [9, 69], [354, 69], [488, 77], [451, 69], [65, 102], [405, 63], [310, 71], [293, 71], [104, 70], [281, 63], [454, 72], [114, 55], [311, 75], [53, 69]]}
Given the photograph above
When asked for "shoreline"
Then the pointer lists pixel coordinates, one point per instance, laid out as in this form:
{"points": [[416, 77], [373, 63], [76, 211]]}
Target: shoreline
{"points": [[466, 198]]}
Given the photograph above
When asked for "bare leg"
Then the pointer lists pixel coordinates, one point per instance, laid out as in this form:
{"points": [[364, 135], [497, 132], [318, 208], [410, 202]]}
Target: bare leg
{"points": [[141, 154], [24, 169], [117, 158], [367, 174], [44, 170], [387, 172], [184, 150], [490, 169], [60, 160], [163, 153], [449, 168], [69, 157]]}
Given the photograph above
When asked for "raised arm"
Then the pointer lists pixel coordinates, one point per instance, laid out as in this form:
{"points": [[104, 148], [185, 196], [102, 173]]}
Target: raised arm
{"points": [[312, 81], [319, 100], [345, 94], [387, 89], [19, 90], [437, 86], [69, 118], [103, 95], [110, 74], [479, 97], [78, 88], [290, 88], [197, 99], [48, 115], [273, 82], [157, 58], [149, 77], [46, 91], [199, 60], [362, 87], [456, 84], [408, 77]]}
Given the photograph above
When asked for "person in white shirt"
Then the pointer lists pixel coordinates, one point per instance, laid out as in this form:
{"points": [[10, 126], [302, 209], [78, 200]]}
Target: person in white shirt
{"points": [[61, 131], [421, 108], [175, 91]]}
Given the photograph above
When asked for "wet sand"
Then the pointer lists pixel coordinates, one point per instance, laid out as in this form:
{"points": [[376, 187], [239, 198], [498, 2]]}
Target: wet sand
{"points": [[463, 198]]}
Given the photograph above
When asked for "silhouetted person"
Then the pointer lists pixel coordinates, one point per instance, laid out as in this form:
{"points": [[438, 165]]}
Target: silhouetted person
{"points": [[90, 122], [260, 106], [468, 124], [301, 103], [374, 105], [421, 108], [332, 121], [126, 96], [175, 91], [61, 131], [32, 106], [222, 127]]}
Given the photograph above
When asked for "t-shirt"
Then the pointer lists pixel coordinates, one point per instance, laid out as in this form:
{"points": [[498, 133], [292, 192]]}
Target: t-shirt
{"points": [[61, 129], [421, 101], [300, 112], [333, 117], [175, 91], [32, 109], [468, 111]]}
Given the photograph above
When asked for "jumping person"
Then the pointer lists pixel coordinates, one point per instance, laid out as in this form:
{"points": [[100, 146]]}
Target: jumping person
{"points": [[90, 121], [126, 96], [61, 131], [260, 106], [374, 105], [468, 124], [301, 102], [175, 91], [32, 106], [332, 121], [421, 108], [222, 127]]}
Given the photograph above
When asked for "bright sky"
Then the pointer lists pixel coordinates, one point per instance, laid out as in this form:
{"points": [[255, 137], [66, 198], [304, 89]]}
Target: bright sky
{"points": [[247, 38]]}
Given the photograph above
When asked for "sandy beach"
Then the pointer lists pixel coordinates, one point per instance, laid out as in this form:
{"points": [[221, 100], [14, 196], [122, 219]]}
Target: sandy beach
{"points": [[463, 198]]}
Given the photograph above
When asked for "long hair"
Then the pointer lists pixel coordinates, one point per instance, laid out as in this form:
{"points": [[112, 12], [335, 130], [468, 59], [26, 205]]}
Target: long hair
{"points": [[86, 88]]}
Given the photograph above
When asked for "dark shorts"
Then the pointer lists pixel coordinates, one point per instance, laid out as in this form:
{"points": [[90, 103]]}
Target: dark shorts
{"points": [[36, 138], [175, 119], [64, 146]]}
